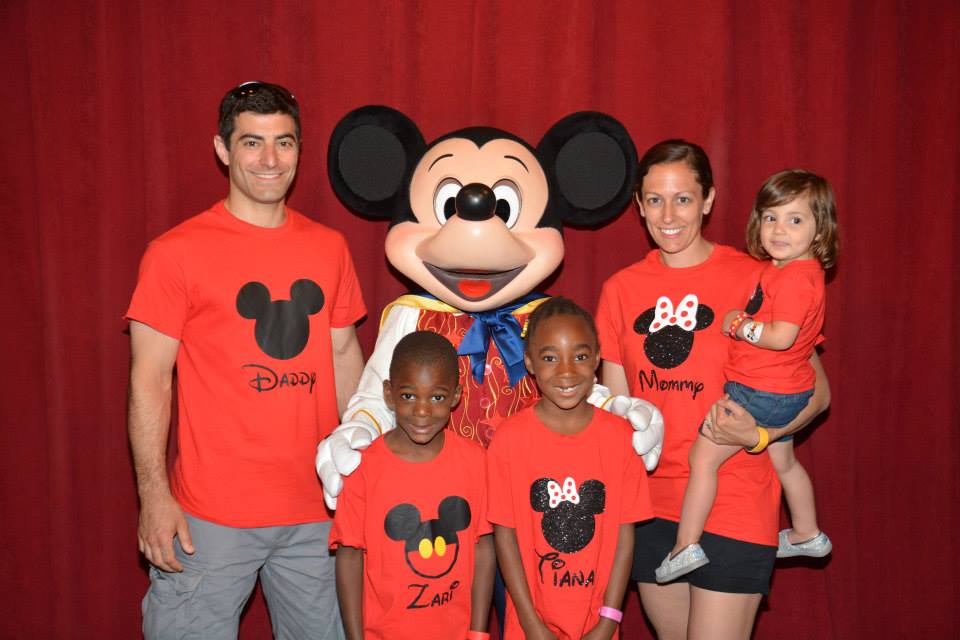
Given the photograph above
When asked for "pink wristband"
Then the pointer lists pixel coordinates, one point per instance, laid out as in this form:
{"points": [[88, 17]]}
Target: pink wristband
{"points": [[477, 635], [613, 614]]}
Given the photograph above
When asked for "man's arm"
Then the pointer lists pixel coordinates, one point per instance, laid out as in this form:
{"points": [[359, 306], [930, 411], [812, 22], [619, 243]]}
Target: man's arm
{"points": [[153, 355], [347, 363], [617, 584], [350, 590], [511, 565], [484, 566], [729, 423]]}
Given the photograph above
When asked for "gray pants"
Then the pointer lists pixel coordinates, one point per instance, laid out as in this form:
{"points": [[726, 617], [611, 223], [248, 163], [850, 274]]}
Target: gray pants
{"points": [[204, 601]]}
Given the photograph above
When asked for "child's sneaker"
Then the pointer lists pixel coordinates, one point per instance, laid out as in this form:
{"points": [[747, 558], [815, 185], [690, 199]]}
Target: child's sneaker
{"points": [[690, 558], [816, 547]]}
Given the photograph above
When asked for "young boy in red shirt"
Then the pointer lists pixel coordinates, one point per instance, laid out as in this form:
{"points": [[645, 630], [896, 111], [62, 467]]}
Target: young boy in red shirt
{"points": [[415, 556]]}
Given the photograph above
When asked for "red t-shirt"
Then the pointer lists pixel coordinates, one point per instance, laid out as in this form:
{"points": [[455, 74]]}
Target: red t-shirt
{"points": [[566, 497], [663, 326], [794, 294], [415, 585], [252, 308]]}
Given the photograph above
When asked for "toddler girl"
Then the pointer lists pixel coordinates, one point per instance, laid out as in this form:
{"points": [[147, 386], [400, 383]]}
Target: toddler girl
{"points": [[793, 225]]}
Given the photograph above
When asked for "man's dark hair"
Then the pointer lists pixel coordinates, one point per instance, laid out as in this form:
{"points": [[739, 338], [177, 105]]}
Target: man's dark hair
{"points": [[426, 348], [258, 97]]}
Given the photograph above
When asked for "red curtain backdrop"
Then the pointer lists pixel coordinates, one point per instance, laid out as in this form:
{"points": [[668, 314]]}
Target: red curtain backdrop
{"points": [[109, 113]]}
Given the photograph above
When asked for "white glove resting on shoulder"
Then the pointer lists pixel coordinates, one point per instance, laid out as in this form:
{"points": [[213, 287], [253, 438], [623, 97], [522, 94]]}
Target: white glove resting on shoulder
{"points": [[643, 416]]}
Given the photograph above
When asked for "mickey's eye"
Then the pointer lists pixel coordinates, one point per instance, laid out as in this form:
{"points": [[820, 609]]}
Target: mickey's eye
{"points": [[445, 201], [508, 202]]}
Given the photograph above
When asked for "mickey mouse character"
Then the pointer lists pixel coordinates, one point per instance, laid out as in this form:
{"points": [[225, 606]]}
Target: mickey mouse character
{"points": [[431, 547], [476, 221], [568, 514]]}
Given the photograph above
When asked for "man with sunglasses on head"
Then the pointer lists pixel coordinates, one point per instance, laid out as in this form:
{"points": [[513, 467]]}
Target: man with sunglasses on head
{"points": [[255, 305]]}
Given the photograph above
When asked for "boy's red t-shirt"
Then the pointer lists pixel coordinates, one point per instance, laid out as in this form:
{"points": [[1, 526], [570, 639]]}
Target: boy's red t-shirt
{"points": [[397, 511], [678, 366], [255, 366], [794, 294], [566, 496]]}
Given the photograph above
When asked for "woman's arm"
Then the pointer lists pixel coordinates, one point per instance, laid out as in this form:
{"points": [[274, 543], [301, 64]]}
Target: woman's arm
{"points": [[615, 378], [484, 566], [511, 565], [729, 423], [350, 590], [617, 585]]}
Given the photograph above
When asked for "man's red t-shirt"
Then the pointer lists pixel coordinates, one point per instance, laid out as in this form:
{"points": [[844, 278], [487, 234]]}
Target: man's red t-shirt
{"points": [[252, 308], [663, 326], [418, 524], [566, 496], [794, 294]]}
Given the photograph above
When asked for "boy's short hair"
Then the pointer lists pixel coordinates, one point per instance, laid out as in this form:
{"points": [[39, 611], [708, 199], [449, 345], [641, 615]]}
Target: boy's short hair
{"points": [[786, 186], [258, 97], [426, 348], [558, 306]]}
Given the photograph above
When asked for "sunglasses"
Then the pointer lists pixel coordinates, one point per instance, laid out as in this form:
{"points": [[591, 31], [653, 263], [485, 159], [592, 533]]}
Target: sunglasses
{"points": [[251, 87]]}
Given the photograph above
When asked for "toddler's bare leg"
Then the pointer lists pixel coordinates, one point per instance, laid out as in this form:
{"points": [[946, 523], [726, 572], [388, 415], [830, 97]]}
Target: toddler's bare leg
{"points": [[797, 489], [705, 459]]}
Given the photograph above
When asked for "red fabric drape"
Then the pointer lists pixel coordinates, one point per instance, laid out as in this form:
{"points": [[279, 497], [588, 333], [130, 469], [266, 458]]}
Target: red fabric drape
{"points": [[110, 109]]}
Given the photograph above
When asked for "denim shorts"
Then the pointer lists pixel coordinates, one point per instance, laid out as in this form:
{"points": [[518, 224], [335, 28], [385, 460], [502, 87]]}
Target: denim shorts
{"points": [[768, 409]]}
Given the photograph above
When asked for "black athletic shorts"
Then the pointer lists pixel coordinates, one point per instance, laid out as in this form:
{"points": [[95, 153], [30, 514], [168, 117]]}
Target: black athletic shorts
{"points": [[735, 566]]}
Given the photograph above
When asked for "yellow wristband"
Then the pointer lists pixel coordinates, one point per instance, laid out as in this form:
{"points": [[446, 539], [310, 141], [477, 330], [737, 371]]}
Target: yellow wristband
{"points": [[764, 441]]}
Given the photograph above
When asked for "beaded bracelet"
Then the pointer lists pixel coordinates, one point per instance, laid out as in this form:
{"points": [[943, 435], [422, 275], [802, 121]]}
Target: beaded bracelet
{"points": [[735, 324]]}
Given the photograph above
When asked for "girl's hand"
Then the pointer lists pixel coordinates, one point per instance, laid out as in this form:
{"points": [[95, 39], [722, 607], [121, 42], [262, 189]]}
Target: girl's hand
{"points": [[603, 630], [729, 423], [539, 632], [727, 319]]}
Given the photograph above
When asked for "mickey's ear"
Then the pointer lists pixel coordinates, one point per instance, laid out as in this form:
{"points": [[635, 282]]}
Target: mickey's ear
{"points": [[591, 163], [401, 522], [454, 512], [373, 151]]}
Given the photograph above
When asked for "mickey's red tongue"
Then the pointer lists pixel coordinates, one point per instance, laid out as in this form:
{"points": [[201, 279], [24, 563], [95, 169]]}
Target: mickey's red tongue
{"points": [[474, 288]]}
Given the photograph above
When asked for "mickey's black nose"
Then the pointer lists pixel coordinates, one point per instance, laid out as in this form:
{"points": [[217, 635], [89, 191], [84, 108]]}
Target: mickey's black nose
{"points": [[476, 202]]}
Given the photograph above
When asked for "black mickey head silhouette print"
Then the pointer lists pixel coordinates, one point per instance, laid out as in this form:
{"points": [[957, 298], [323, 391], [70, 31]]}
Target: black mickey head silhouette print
{"points": [[431, 547], [670, 330], [283, 326], [568, 512], [755, 301]]}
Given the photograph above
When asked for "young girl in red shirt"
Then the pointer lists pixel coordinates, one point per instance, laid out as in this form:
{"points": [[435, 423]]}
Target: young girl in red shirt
{"points": [[564, 491], [793, 225]]}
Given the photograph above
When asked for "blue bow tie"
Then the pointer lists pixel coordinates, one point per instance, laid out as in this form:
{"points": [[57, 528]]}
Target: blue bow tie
{"points": [[500, 325]]}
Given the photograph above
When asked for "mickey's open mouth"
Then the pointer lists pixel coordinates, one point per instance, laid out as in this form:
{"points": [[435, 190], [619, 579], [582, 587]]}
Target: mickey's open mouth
{"points": [[474, 285]]}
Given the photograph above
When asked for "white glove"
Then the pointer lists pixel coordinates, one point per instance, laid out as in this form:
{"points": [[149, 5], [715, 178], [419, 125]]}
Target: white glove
{"points": [[339, 455], [644, 417]]}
